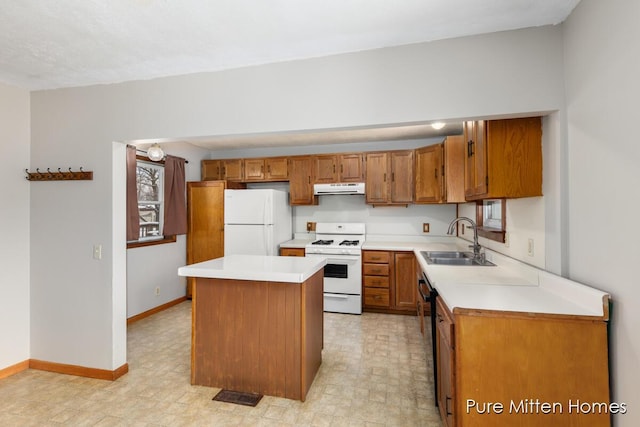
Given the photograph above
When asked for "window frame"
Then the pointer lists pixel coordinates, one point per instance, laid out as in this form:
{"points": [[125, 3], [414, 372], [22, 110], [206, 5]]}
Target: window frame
{"points": [[161, 239]]}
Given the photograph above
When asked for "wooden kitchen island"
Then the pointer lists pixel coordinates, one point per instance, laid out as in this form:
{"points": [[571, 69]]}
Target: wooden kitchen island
{"points": [[257, 324]]}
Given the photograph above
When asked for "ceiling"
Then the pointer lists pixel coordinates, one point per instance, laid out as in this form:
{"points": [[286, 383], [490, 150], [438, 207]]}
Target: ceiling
{"points": [[67, 43]]}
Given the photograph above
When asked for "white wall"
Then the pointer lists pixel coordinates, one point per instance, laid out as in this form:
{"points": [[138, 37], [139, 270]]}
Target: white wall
{"points": [[602, 69], [74, 297], [149, 267], [14, 226]]}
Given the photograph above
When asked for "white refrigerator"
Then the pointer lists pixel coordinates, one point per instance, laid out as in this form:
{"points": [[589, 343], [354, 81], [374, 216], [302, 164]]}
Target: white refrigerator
{"points": [[256, 221]]}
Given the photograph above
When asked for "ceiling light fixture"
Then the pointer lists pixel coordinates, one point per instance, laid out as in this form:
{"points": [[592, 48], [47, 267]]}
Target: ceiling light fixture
{"points": [[437, 125], [155, 153]]}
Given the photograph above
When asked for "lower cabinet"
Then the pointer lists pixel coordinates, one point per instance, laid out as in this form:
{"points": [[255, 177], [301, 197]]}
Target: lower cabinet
{"points": [[291, 251], [499, 368], [445, 363], [388, 280]]}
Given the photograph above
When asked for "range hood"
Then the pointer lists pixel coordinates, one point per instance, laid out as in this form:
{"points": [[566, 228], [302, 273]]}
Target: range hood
{"points": [[339, 188]]}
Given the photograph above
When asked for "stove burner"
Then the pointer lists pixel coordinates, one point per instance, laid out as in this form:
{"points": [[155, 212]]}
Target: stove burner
{"points": [[322, 242], [349, 243]]}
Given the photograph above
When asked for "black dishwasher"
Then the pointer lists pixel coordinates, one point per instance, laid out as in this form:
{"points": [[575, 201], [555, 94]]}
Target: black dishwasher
{"points": [[429, 294]]}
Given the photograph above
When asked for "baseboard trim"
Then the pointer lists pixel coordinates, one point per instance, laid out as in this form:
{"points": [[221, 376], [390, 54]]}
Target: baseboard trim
{"points": [[79, 371], [155, 310], [14, 369]]}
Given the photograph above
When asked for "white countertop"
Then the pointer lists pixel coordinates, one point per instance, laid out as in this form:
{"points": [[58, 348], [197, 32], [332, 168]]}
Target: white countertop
{"points": [[296, 243], [256, 267], [508, 286]]}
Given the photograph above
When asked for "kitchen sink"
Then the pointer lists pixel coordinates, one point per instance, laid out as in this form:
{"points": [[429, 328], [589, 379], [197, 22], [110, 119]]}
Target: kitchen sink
{"points": [[454, 258]]}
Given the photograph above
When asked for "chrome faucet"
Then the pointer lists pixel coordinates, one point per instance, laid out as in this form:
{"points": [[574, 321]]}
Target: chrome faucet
{"points": [[476, 246]]}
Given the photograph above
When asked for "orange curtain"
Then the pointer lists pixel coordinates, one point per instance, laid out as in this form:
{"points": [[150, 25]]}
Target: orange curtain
{"points": [[133, 215], [175, 200]]}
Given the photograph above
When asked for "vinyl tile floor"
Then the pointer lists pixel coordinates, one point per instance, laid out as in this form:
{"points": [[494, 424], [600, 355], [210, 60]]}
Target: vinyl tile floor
{"points": [[373, 373]]}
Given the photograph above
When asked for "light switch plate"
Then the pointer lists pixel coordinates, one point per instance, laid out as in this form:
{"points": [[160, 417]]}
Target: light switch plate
{"points": [[425, 227]]}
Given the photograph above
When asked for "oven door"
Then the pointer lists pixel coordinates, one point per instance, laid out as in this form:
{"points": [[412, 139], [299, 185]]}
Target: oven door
{"points": [[342, 274]]}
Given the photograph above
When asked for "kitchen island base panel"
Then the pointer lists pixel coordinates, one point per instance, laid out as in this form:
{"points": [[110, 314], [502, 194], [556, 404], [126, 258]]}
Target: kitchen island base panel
{"points": [[257, 337]]}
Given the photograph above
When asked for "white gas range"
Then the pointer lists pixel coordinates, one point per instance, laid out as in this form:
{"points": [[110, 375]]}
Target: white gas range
{"points": [[341, 245]]}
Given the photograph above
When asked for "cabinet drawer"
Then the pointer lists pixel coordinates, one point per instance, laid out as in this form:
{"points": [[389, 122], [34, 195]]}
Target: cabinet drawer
{"points": [[375, 257], [292, 252], [444, 322], [376, 281], [377, 297], [376, 270]]}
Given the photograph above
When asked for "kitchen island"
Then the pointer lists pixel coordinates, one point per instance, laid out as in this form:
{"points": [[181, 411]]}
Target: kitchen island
{"points": [[257, 323]]}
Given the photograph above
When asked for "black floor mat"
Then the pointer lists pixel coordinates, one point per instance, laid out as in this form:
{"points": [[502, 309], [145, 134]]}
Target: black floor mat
{"points": [[238, 397]]}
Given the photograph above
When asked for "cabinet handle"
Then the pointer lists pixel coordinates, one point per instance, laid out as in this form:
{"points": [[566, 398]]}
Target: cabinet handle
{"points": [[309, 180], [268, 168], [334, 168], [440, 319], [384, 178], [446, 405], [470, 148], [341, 168], [393, 176], [435, 173]]}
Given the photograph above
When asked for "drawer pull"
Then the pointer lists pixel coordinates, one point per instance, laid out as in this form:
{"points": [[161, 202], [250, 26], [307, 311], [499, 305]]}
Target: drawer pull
{"points": [[447, 399]]}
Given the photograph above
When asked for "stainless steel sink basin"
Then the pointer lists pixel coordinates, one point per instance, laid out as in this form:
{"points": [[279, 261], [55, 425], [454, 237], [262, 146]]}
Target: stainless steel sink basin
{"points": [[447, 254], [454, 258]]}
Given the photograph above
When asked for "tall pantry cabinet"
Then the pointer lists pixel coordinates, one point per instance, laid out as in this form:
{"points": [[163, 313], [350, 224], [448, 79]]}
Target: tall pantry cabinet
{"points": [[205, 221]]}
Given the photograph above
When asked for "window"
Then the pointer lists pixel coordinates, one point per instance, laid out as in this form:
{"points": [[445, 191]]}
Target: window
{"points": [[150, 186], [491, 219]]}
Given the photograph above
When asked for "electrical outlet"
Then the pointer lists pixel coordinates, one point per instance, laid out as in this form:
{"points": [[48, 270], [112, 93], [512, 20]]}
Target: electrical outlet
{"points": [[157, 291], [530, 247], [97, 251], [425, 227], [311, 226]]}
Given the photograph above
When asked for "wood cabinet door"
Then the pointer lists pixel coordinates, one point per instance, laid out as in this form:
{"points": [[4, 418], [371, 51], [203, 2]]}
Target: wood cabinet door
{"points": [[300, 181], [205, 222], [211, 170], [445, 362], [254, 169], [454, 158], [405, 281], [429, 168], [351, 167], [376, 184], [402, 176], [480, 155], [475, 171], [325, 169], [233, 169], [469, 128], [277, 168]]}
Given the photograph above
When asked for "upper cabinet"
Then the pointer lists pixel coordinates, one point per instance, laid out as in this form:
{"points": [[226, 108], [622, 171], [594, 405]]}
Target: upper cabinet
{"points": [[429, 171], [439, 172], [332, 168], [229, 169], [503, 158], [301, 181], [267, 169], [389, 177]]}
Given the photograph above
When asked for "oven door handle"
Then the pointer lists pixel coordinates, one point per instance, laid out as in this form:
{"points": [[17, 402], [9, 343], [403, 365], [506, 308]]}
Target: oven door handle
{"points": [[337, 296]]}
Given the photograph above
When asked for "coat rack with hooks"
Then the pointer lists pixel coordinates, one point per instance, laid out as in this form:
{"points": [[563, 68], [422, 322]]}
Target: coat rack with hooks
{"points": [[60, 175]]}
